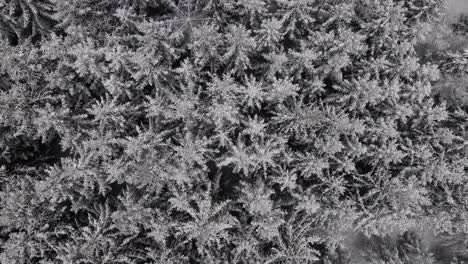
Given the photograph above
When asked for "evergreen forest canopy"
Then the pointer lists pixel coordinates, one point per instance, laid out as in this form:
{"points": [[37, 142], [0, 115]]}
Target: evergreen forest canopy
{"points": [[240, 131]]}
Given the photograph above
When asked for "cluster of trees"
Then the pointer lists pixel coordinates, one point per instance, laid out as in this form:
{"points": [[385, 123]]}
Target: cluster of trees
{"points": [[243, 131]]}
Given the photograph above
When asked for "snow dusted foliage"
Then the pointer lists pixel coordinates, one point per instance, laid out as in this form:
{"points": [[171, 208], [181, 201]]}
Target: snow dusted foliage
{"points": [[241, 131]]}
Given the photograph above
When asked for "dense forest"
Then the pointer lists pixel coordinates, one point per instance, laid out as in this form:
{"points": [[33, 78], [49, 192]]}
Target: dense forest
{"points": [[233, 131]]}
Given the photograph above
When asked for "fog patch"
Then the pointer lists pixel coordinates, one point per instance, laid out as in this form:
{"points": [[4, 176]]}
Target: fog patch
{"points": [[457, 7]]}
